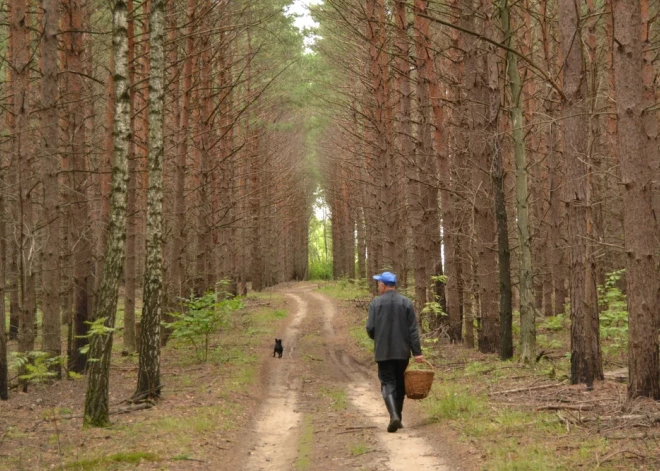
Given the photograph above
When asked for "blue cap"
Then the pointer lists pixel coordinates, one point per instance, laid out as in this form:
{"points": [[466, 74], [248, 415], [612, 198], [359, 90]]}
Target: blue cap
{"points": [[386, 277]]}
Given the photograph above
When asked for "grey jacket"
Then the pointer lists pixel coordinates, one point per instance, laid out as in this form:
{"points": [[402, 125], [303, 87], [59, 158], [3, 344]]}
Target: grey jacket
{"points": [[393, 326]]}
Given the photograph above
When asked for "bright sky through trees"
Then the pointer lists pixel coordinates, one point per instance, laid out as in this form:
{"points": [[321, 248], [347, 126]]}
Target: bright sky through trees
{"points": [[300, 9]]}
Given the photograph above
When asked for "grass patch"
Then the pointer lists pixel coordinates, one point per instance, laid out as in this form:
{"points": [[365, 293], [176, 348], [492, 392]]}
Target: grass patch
{"points": [[305, 445], [453, 402], [336, 396], [358, 448], [359, 335], [106, 462], [345, 289]]}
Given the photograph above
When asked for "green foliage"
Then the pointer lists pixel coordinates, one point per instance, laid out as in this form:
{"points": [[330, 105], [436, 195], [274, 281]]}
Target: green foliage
{"points": [[319, 270], [434, 307], [135, 457], [203, 317], [357, 449], [613, 315], [279, 314], [37, 366], [439, 278], [345, 289], [454, 403], [75, 376], [320, 242], [360, 336], [96, 327], [336, 396], [305, 445], [554, 323]]}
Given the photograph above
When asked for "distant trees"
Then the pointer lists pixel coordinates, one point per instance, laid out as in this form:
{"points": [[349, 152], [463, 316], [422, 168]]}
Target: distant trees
{"points": [[231, 173], [522, 129]]}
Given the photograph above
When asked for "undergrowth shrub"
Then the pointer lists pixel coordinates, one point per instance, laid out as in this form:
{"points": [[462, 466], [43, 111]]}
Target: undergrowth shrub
{"points": [[37, 366], [202, 317], [319, 270]]}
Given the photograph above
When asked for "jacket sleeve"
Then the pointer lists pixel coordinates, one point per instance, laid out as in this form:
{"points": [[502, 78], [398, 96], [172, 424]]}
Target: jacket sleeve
{"points": [[371, 321], [413, 331]]}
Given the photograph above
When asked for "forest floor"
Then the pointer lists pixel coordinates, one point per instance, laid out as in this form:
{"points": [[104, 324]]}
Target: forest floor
{"points": [[319, 407]]}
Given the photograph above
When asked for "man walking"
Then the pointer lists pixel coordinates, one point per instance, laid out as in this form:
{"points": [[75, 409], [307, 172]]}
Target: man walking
{"points": [[392, 325]]}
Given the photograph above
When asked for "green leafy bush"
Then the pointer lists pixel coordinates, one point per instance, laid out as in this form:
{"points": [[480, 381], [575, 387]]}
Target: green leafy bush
{"points": [[37, 367], [319, 270], [203, 317]]}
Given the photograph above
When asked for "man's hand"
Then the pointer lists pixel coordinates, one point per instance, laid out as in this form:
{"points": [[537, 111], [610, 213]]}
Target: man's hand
{"points": [[419, 358]]}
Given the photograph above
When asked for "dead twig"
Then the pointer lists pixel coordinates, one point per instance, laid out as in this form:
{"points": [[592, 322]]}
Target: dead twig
{"points": [[652, 418], [579, 407], [533, 388], [356, 429]]}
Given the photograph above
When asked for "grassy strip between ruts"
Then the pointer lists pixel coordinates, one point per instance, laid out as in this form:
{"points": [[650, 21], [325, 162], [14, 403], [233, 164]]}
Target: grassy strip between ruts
{"points": [[196, 420], [305, 445], [514, 416]]}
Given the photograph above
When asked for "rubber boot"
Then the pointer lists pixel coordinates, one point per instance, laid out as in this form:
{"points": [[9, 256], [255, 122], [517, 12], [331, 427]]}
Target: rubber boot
{"points": [[395, 419], [399, 409]]}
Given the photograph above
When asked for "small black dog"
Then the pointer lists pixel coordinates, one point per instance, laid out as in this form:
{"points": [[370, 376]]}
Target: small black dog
{"points": [[278, 349]]}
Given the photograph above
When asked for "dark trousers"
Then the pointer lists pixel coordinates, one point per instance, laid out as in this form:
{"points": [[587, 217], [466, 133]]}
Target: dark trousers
{"points": [[390, 373]]}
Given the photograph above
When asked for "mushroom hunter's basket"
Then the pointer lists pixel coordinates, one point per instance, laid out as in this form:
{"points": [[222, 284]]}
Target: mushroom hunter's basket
{"points": [[418, 382]]}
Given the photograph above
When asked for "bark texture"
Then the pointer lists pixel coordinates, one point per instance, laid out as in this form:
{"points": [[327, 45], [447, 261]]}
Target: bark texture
{"points": [[148, 382], [640, 226], [96, 400], [586, 363], [50, 137], [527, 310]]}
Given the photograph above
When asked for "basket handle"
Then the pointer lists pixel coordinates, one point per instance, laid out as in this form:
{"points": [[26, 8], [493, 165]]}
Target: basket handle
{"points": [[427, 363]]}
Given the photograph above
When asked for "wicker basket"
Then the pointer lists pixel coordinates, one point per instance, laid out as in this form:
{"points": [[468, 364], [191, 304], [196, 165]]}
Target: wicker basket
{"points": [[418, 382]]}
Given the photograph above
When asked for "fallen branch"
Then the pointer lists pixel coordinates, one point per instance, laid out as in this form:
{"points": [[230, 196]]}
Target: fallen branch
{"points": [[185, 458], [633, 436], [623, 452], [642, 417], [128, 410], [579, 407], [355, 429], [533, 388]]}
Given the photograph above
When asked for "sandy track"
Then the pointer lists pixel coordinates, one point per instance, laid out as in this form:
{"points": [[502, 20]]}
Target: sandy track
{"points": [[278, 421], [274, 437], [404, 450]]}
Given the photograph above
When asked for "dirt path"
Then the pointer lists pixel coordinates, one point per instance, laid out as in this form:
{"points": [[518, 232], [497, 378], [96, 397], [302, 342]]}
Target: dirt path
{"points": [[278, 422], [322, 409]]}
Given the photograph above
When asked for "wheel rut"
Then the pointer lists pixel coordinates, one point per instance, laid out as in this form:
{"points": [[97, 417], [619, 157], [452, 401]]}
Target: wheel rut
{"points": [[278, 421]]}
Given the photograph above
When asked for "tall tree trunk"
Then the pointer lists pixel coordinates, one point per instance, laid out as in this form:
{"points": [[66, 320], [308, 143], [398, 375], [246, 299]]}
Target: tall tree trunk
{"points": [[448, 236], [638, 151], [527, 310], [404, 132], [483, 116], [4, 379], [586, 362], [504, 258], [427, 236], [130, 265], [9, 178], [23, 161], [50, 138], [148, 383], [178, 254], [377, 244], [80, 237], [96, 400]]}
